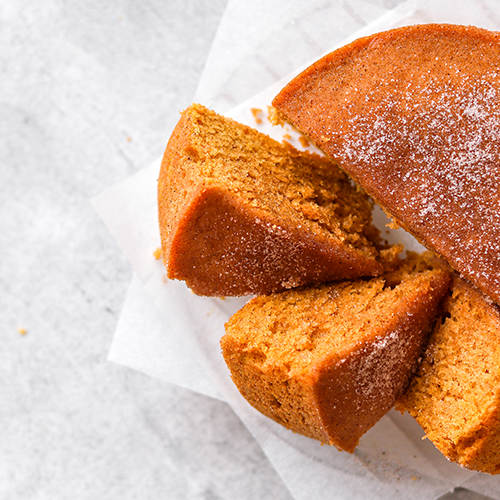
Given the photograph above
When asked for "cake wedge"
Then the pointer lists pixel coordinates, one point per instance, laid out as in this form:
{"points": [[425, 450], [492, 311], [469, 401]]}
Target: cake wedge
{"points": [[329, 361], [241, 213]]}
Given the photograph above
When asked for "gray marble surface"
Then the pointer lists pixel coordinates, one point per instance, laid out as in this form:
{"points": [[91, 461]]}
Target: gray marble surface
{"points": [[89, 94]]}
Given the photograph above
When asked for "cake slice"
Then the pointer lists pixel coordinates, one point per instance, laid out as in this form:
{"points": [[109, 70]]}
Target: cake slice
{"points": [[241, 213], [455, 396], [329, 361], [413, 115]]}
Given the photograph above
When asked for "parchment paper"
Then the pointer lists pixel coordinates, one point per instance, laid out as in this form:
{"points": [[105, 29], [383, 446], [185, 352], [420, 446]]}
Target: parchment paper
{"points": [[179, 339]]}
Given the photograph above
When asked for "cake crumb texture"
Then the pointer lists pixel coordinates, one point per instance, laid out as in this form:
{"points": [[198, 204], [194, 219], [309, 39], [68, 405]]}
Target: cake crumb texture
{"points": [[455, 395]]}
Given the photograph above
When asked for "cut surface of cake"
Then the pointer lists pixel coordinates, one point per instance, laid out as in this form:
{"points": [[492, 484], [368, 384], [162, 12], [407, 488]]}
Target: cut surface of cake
{"points": [[328, 361], [413, 115], [455, 396], [241, 213]]}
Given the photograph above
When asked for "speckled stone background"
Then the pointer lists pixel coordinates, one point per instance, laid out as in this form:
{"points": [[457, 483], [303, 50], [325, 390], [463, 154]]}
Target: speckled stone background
{"points": [[89, 94]]}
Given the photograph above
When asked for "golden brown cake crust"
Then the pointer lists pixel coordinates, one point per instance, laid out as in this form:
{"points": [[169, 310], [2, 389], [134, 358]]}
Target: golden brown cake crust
{"points": [[222, 240], [413, 115]]}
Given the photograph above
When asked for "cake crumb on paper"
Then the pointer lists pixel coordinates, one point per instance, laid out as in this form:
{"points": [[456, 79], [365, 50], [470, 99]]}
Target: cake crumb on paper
{"points": [[274, 116], [157, 253], [304, 142], [256, 112]]}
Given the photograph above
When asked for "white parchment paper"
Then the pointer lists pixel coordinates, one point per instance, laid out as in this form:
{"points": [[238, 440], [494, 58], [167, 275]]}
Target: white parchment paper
{"points": [[168, 332]]}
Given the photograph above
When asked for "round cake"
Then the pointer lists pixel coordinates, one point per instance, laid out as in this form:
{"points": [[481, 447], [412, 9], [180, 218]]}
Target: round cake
{"points": [[413, 115]]}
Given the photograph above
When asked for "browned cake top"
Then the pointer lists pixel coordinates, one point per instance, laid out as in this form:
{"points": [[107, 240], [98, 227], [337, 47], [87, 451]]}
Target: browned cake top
{"points": [[413, 115]]}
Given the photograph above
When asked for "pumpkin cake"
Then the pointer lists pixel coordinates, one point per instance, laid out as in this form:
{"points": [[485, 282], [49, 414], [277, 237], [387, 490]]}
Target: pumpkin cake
{"points": [[413, 115], [241, 213], [328, 361], [455, 396]]}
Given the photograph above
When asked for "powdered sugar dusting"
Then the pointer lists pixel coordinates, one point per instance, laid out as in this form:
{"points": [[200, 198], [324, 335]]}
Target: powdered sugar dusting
{"points": [[448, 186], [415, 119], [375, 376]]}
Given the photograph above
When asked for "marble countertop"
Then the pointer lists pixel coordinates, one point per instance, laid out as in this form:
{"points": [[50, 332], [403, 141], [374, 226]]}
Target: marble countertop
{"points": [[90, 93]]}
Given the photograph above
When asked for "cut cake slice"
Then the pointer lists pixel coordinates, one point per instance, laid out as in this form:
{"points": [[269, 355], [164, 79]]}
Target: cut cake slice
{"points": [[329, 361], [413, 115], [241, 213], [455, 396]]}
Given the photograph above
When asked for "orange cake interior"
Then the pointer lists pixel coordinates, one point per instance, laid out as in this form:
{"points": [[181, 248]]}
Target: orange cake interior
{"points": [[242, 213], [412, 115]]}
